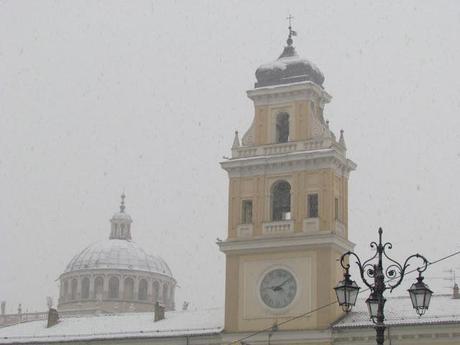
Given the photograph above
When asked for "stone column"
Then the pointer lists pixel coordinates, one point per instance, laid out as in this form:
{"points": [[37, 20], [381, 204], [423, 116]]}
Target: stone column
{"points": [[121, 287], [79, 287], [91, 287], [149, 289], [105, 295], [136, 288], [172, 297]]}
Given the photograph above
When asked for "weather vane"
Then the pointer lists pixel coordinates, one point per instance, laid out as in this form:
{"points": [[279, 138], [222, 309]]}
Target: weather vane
{"points": [[291, 32]]}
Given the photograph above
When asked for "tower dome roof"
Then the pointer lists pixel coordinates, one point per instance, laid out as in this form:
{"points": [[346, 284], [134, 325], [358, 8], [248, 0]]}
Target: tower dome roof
{"points": [[117, 254], [288, 68]]}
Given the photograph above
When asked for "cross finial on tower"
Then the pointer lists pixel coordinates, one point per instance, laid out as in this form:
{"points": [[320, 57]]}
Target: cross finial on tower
{"points": [[291, 32], [122, 204]]}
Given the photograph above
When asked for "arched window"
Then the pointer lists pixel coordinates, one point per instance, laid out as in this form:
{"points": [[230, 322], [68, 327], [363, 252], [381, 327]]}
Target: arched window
{"points": [[98, 288], [142, 290], [281, 201], [165, 293], [85, 288], [282, 128], [156, 291], [73, 289], [128, 289], [114, 287]]}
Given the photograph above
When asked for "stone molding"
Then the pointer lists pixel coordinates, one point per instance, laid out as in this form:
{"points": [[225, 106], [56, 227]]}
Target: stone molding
{"points": [[410, 334], [290, 162], [288, 93], [285, 242]]}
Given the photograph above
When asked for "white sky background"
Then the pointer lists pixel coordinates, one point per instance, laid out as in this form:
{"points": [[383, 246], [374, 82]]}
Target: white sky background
{"points": [[101, 96]]}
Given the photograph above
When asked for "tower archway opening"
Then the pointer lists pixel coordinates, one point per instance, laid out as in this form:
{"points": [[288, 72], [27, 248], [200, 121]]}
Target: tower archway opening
{"points": [[281, 201]]}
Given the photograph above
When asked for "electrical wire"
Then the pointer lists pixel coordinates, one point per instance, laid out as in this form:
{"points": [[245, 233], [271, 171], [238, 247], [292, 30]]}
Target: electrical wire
{"points": [[268, 329]]}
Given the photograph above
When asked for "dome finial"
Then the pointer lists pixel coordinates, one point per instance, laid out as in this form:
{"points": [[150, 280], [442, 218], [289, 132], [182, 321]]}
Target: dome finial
{"points": [[291, 32], [122, 204]]}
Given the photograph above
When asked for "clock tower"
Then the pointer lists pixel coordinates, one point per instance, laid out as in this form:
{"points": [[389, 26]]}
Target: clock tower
{"points": [[288, 203]]}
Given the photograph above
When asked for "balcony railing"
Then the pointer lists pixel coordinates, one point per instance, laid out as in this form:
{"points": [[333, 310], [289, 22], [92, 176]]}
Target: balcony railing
{"points": [[280, 227], [280, 148]]}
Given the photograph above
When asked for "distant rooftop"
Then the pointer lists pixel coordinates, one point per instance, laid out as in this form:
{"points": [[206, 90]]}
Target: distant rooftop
{"points": [[116, 326], [399, 311]]}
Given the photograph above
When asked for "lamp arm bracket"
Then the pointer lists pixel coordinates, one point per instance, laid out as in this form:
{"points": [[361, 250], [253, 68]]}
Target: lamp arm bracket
{"points": [[401, 270], [362, 268]]}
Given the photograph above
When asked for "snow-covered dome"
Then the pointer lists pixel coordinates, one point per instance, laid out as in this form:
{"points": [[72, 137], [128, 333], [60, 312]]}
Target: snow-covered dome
{"points": [[117, 254], [116, 274], [288, 68]]}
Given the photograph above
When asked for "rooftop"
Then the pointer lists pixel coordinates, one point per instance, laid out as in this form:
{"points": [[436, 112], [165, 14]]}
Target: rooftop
{"points": [[116, 326], [399, 311]]}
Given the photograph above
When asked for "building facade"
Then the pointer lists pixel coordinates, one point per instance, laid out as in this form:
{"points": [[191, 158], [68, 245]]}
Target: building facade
{"points": [[288, 203], [287, 226]]}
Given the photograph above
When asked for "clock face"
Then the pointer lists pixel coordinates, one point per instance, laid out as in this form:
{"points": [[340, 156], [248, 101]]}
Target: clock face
{"points": [[278, 288]]}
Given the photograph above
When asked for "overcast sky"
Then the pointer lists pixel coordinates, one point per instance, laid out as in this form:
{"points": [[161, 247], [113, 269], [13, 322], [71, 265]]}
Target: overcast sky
{"points": [[97, 97]]}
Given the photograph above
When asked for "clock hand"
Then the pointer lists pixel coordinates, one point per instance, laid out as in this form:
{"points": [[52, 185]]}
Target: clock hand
{"points": [[279, 287], [286, 281]]}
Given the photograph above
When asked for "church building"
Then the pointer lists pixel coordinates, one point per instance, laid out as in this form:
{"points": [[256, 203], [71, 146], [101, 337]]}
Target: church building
{"points": [[287, 227]]}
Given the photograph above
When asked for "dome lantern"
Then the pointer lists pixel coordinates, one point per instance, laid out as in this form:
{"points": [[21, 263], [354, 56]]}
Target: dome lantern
{"points": [[121, 223]]}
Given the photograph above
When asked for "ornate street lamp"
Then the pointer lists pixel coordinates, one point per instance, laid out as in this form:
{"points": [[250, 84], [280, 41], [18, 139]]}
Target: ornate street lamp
{"points": [[420, 296], [347, 290]]}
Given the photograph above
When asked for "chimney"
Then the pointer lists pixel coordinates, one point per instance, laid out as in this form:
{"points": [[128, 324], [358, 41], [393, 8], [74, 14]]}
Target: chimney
{"points": [[185, 305], [53, 318], [3, 307], [456, 294], [159, 312]]}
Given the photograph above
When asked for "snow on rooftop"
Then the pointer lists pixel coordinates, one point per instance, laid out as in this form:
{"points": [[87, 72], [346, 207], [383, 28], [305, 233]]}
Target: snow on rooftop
{"points": [[399, 311], [283, 62], [117, 254], [116, 326]]}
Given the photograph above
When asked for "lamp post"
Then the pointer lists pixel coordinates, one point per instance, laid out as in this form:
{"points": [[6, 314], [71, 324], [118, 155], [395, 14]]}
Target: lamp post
{"points": [[372, 269]]}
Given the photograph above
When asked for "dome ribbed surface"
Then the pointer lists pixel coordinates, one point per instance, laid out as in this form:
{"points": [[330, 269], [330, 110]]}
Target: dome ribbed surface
{"points": [[117, 254]]}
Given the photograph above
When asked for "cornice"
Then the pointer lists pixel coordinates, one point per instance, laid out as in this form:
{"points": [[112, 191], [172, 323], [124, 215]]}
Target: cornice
{"points": [[286, 242], [282, 337], [289, 162], [290, 92], [422, 333]]}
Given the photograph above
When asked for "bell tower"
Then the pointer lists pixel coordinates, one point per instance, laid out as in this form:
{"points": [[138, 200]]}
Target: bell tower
{"points": [[288, 203]]}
